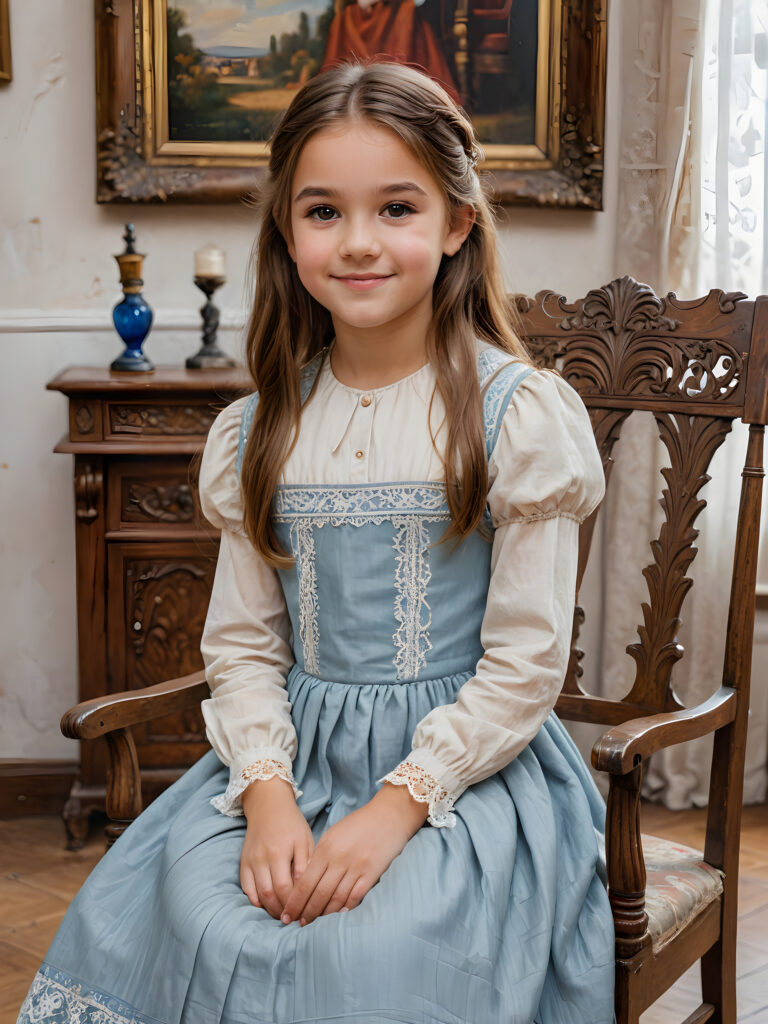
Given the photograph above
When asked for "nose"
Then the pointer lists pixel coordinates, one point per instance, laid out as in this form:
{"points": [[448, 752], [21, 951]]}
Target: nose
{"points": [[359, 239]]}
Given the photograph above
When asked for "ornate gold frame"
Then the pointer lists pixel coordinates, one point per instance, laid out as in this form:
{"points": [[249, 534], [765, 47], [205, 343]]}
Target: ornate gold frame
{"points": [[6, 66], [137, 161]]}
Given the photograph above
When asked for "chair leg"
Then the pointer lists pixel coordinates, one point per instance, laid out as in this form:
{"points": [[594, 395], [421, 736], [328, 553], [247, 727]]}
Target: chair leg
{"points": [[624, 1001], [718, 977]]}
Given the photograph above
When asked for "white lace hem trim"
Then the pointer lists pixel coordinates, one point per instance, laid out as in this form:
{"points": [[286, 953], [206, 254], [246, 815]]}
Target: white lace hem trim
{"points": [[425, 789], [230, 802]]}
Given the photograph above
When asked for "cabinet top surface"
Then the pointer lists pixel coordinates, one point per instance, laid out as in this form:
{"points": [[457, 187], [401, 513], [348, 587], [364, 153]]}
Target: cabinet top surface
{"points": [[93, 379]]}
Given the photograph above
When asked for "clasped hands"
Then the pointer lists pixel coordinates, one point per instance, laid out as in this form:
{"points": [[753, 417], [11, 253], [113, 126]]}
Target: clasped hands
{"points": [[293, 878]]}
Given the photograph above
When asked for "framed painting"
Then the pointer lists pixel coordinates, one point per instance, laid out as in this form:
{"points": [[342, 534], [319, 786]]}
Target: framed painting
{"points": [[188, 90], [6, 70]]}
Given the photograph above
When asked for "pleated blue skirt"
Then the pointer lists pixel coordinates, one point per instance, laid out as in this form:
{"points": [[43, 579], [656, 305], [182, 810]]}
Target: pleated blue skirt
{"points": [[503, 919]]}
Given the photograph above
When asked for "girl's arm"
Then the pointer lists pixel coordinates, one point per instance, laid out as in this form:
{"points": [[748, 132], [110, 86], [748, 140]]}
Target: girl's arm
{"points": [[246, 651], [245, 643], [546, 477]]}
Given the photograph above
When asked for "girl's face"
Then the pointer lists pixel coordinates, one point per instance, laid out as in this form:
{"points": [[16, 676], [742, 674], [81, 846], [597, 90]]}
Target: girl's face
{"points": [[369, 227]]}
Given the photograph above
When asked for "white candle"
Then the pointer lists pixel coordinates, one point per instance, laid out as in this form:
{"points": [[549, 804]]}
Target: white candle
{"points": [[209, 262]]}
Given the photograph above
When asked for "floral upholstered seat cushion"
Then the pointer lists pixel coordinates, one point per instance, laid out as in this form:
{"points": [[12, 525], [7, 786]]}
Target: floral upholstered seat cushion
{"points": [[679, 885]]}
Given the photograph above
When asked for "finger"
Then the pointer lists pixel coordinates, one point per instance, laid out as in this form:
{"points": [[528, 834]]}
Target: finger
{"points": [[324, 890], [301, 858], [280, 868], [266, 890], [294, 905], [359, 889], [248, 885], [339, 898]]}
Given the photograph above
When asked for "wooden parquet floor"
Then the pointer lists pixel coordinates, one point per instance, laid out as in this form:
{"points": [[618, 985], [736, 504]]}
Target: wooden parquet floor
{"points": [[39, 878]]}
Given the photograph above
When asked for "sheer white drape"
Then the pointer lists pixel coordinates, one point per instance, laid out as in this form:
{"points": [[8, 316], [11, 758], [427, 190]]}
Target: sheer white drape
{"points": [[692, 197]]}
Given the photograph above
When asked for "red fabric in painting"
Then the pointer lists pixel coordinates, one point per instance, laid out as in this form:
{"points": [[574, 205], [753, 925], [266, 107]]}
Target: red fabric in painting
{"points": [[395, 30]]}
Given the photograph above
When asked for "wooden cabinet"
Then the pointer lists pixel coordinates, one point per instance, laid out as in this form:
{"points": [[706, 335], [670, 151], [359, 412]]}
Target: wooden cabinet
{"points": [[145, 554]]}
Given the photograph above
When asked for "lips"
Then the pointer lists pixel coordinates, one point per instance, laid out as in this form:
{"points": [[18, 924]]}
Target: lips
{"points": [[363, 282]]}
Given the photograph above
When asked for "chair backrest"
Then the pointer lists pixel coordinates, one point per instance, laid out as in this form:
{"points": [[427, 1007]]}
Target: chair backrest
{"points": [[695, 365]]}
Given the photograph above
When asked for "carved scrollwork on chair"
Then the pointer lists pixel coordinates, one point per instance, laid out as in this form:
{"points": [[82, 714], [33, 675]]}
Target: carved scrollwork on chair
{"points": [[691, 442], [621, 340]]}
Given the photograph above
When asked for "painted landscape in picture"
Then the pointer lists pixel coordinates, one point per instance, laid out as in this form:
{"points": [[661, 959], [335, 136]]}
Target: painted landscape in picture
{"points": [[233, 67]]}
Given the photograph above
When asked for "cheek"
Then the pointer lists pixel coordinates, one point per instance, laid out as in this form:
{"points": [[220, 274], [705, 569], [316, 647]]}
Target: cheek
{"points": [[419, 254], [311, 251]]}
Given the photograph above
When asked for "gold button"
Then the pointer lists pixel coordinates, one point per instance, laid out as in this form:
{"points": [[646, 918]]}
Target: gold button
{"points": [[359, 454], [365, 400]]}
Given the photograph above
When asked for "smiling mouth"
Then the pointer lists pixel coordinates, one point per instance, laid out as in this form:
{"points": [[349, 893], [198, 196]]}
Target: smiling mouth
{"points": [[364, 282]]}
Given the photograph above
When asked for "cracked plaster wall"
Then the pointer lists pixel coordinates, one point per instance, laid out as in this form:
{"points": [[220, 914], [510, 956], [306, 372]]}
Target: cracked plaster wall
{"points": [[56, 247]]}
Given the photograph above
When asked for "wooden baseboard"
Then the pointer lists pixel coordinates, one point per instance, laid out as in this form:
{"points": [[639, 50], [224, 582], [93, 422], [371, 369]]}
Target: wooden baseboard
{"points": [[29, 788]]}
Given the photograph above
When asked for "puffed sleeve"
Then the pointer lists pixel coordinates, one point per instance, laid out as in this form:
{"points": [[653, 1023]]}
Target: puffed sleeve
{"points": [[246, 638], [546, 477]]}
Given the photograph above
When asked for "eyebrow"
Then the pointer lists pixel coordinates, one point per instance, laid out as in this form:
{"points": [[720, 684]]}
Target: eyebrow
{"points": [[332, 193]]}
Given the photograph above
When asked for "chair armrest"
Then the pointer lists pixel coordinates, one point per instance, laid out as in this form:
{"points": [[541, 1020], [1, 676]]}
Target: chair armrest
{"points": [[620, 749], [103, 715]]}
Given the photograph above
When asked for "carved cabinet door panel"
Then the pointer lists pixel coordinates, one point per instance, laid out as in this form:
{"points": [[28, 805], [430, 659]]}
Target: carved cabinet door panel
{"points": [[157, 498], [157, 598]]}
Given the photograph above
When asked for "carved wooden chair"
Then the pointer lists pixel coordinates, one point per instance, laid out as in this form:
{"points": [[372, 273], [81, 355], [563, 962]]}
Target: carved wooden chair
{"points": [[695, 366]]}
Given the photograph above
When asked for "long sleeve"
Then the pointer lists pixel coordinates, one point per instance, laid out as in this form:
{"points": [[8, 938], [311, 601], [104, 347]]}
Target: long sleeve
{"points": [[545, 477], [246, 638]]}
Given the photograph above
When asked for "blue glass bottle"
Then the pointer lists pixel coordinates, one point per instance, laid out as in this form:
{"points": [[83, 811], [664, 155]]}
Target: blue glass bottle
{"points": [[132, 316]]}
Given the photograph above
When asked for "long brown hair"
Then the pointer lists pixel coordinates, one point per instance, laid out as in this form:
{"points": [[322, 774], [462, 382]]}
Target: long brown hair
{"points": [[287, 326]]}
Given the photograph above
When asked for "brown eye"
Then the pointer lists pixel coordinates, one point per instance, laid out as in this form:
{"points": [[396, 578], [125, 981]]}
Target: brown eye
{"points": [[320, 212], [399, 210]]}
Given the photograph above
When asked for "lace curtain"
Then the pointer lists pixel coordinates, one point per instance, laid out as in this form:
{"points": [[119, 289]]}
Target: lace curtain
{"points": [[692, 193]]}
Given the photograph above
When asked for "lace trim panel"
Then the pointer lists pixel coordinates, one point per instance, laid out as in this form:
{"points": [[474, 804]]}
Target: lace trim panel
{"points": [[412, 574], [340, 505], [54, 998], [425, 789], [230, 804], [500, 391], [245, 428], [536, 516], [303, 544]]}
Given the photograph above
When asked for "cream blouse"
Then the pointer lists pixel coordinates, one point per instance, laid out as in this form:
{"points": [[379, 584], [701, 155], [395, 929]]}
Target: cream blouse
{"points": [[545, 477]]}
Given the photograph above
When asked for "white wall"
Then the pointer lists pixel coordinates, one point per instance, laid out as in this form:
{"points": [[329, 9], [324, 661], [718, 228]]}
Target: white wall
{"points": [[58, 283]]}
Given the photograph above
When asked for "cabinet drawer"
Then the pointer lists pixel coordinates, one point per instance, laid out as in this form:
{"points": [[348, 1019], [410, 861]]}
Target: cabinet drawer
{"points": [[160, 495], [159, 420]]}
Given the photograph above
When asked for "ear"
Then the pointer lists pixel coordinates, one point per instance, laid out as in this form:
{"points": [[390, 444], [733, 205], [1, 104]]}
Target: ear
{"points": [[463, 219]]}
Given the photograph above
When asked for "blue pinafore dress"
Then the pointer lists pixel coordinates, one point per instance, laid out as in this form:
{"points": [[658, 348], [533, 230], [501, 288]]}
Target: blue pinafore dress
{"points": [[502, 919]]}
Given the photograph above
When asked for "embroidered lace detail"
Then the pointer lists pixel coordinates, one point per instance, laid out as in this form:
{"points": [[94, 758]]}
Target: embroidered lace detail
{"points": [[245, 428], [424, 788], [412, 574], [303, 543], [229, 803], [340, 505], [535, 516], [499, 392], [54, 998]]}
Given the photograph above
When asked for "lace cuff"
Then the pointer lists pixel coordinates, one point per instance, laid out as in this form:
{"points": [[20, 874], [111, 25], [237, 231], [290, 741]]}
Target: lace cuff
{"points": [[229, 802], [424, 788]]}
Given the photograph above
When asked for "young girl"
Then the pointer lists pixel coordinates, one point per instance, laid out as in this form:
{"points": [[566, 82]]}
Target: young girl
{"points": [[392, 825]]}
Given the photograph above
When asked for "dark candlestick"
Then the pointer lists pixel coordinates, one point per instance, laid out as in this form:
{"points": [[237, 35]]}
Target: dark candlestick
{"points": [[210, 355]]}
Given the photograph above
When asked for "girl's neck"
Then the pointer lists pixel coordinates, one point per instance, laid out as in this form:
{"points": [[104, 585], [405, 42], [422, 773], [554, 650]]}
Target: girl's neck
{"points": [[375, 364]]}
